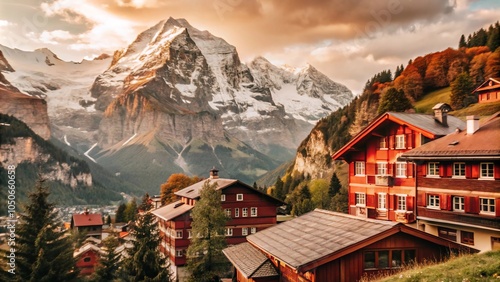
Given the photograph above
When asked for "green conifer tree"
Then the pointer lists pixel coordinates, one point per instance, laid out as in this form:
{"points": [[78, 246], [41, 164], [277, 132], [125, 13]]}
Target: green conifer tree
{"points": [[109, 263], [145, 262], [120, 213], [461, 91], [206, 262], [44, 252], [335, 185], [393, 100]]}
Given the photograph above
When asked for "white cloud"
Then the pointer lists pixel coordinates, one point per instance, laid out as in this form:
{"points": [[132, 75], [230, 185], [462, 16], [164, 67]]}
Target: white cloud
{"points": [[138, 4], [4, 23], [53, 37]]}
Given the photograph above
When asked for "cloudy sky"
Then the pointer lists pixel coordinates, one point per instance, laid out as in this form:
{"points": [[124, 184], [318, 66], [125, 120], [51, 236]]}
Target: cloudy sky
{"points": [[348, 40]]}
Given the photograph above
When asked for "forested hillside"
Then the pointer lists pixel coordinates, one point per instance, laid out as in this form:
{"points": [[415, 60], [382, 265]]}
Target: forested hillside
{"points": [[465, 68]]}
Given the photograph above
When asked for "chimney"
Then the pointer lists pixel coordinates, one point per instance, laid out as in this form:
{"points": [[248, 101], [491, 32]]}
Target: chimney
{"points": [[440, 113], [86, 211], [472, 124], [214, 173]]}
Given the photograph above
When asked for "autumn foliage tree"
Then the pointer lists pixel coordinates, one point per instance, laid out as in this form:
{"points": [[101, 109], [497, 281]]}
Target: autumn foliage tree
{"points": [[175, 182]]}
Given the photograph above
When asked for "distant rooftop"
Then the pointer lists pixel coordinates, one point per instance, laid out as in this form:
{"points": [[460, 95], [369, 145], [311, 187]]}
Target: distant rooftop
{"points": [[87, 219], [193, 191], [172, 210]]}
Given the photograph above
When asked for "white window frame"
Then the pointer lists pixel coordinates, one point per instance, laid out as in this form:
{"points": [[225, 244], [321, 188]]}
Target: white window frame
{"points": [[487, 170], [223, 197], [179, 253], [400, 141], [381, 168], [460, 202], [382, 201], [401, 202], [382, 144], [434, 171], [359, 168], [239, 197], [253, 211], [228, 212], [401, 169], [177, 232], [237, 212], [433, 201], [253, 230], [229, 232], [244, 231], [244, 212], [190, 234], [460, 170], [488, 203], [360, 199]]}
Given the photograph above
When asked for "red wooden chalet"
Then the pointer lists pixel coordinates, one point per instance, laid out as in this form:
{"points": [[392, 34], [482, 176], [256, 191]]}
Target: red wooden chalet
{"points": [[90, 223], [328, 246], [458, 184], [87, 257], [380, 186], [488, 91], [250, 210]]}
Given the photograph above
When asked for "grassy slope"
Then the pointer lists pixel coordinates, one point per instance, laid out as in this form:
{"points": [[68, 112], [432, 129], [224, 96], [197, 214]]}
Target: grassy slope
{"points": [[479, 267]]}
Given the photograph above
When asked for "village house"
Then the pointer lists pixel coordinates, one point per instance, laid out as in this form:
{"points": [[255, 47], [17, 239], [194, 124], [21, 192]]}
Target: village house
{"points": [[328, 246], [458, 184], [380, 185], [488, 91], [250, 210], [87, 258], [89, 223]]}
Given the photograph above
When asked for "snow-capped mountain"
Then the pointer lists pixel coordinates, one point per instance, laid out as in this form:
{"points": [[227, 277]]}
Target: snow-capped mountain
{"points": [[179, 100]]}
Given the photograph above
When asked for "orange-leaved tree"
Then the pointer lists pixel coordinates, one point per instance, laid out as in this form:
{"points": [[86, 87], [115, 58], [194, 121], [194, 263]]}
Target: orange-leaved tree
{"points": [[174, 183]]}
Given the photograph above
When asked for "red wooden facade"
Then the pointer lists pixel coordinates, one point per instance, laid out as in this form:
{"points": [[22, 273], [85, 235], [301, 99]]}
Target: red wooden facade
{"points": [[458, 191], [250, 211], [380, 185], [87, 259]]}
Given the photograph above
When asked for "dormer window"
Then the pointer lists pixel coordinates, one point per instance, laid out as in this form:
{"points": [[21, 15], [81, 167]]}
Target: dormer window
{"points": [[382, 143]]}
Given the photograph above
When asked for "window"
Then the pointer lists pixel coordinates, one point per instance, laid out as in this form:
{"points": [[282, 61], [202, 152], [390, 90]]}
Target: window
{"points": [[244, 231], [360, 168], [459, 170], [239, 197], [360, 199], [190, 234], [467, 237], [229, 232], [383, 143], [433, 201], [179, 253], [178, 234], [458, 203], [244, 212], [237, 212], [487, 205], [222, 197], [433, 169], [400, 142], [401, 202], [253, 211], [400, 169], [486, 170], [381, 168], [382, 201], [253, 230], [228, 212], [383, 259], [87, 259], [447, 233]]}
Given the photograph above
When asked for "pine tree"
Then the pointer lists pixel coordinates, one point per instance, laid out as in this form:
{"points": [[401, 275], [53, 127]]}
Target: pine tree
{"points": [[461, 89], [206, 262], [279, 191], [120, 213], [130, 211], [393, 100], [44, 253], [145, 262], [109, 263], [462, 42], [335, 186]]}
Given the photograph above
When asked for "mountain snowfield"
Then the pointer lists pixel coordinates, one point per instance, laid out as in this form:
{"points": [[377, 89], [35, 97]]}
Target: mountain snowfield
{"points": [[177, 99]]}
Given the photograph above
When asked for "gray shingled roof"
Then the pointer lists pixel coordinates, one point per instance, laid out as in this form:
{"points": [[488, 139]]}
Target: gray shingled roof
{"points": [[193, 191], [172, 210], [250, 261], [427, 123], [484, 143], [315, 235]]}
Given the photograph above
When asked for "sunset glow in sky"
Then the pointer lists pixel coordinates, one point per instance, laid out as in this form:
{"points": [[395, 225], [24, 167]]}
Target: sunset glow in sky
{"points": [[348, 40]]}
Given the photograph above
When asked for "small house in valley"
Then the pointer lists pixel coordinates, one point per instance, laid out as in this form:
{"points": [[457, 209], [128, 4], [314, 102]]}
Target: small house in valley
{"points": [[89, 223], [488, 91]]}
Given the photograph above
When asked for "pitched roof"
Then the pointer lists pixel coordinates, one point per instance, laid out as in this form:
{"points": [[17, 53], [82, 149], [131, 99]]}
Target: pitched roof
{"points": [[482, 144], [250, 261], [321, 236], [172, 210], [89, 246], [426, 124], [193, 191], [485, 85], [89, 219]]}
